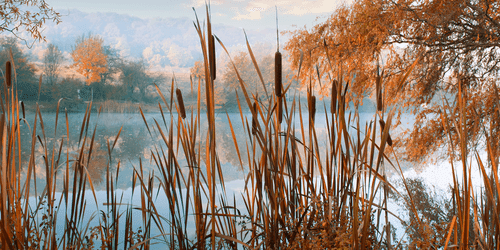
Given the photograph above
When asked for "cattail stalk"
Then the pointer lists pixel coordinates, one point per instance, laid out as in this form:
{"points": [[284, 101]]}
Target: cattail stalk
{"points": [[280, 109], [181, 103]]}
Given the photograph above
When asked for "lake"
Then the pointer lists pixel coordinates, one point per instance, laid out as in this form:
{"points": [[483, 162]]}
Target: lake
{"points": [[135, 144]]}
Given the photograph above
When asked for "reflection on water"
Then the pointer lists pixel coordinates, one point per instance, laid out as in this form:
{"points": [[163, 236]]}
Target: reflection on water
{"points": [[135, 145]]}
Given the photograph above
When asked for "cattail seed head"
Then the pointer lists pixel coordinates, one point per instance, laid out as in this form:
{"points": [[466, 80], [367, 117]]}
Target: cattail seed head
{"points": [[333, 104], [211, 51], [378, 86], [8, 74], [181, 103], [277, 74], [312, 107]]}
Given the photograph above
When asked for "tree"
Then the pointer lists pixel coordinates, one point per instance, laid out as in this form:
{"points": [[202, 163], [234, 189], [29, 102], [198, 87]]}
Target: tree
{"points": [[26, 81], [451, 44], [17, 14], [89, 58], [52, 59], [249, 75], [113, 64], [220, 91], [135, 79]]}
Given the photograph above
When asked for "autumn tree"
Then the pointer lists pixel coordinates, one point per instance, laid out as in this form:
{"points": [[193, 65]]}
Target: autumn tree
{"points": [[89, 58], [29, 15], [448, 45], [52, 59]]}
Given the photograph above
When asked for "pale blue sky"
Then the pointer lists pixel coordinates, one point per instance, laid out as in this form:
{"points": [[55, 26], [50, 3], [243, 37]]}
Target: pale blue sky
{"points": [[248, 14]]}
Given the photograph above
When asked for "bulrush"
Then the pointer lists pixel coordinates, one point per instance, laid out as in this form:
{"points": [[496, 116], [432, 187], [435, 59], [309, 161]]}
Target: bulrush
{"points": [[277, 73], [211, 54], [181, 103], [312, 107], [8, 74], [278, 84], [333, 104], [378, 83]]}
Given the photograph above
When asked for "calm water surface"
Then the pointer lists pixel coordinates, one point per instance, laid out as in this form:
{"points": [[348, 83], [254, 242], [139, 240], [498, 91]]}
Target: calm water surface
{"points": [[135, 144]]}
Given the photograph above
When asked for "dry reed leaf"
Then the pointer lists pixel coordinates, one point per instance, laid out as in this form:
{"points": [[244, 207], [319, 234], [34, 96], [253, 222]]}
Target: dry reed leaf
{"points": [[300, 63]]}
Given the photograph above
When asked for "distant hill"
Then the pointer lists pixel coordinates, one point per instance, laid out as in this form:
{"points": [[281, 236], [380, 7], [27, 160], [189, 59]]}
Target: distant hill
{"points": [[166, 44]]}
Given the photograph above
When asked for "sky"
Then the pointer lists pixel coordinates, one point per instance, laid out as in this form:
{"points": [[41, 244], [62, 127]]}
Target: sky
{"points": [[248, 14]]}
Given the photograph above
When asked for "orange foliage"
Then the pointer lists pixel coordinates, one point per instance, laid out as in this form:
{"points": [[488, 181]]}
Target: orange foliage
{"points": [[449, 43], [89, 58]]}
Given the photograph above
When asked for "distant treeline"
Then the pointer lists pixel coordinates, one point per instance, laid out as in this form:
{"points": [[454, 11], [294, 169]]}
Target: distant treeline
{"points": [[108, 76], [118, 78]]}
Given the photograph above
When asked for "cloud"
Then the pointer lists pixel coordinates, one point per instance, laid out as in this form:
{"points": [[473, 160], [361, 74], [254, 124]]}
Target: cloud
{"points": [[200, 3], [178, 57], [147, 53], [251, 9], [254, 15], [311, 7]]}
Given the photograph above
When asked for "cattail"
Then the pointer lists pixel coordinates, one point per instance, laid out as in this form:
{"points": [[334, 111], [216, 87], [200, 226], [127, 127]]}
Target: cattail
{"points": [[312, 107], [254, 119], [8, 74], [211, 54], [181, 103], [382, 126], [333, 105], [378, 86], [277, 73]]}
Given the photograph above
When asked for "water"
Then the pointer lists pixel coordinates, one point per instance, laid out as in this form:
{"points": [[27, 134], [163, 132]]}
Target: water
{"points": [[135, 145]]}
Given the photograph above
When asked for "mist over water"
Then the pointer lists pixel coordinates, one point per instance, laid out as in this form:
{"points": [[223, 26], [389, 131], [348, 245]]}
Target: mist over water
{"points": [[135, 148], [135, 145]]}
